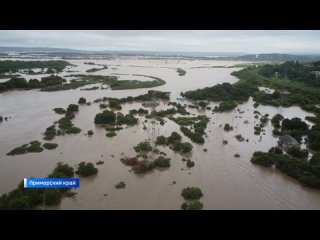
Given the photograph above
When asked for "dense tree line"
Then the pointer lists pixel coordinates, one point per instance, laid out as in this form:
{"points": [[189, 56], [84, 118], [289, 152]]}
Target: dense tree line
{"points": [[300, 89], [306, 172], [14, 66], [294, 71], [22, 83], [222, 92]]}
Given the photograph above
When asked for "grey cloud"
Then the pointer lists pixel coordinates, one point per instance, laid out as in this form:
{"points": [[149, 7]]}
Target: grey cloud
{"points": [[250, 41]]}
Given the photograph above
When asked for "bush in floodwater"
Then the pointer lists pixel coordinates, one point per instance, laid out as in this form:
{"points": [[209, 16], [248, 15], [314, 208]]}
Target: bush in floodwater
{"points": [[90, 132], [236, 155], [263, 159], [173, 137], [239, 138], [226, 106], [194, 136], [103, 105], [276, 120], [143, 146], [133, 111], [120, 185], [86, 169], [59, 110], [18, 150], [106, 117], [66, 126], [23, 199], [162, 162], [192, 193], [228, 127], [126, 119], [161, 140], [184, 206], [34, 147], [50, 133], [115, 103], [190, 163], [62, 170], [50, 146], [184, 147], [142, 111], [73, 108], [52, 80], [275, 150], [111, 134], [82, 100], [196, 205]]}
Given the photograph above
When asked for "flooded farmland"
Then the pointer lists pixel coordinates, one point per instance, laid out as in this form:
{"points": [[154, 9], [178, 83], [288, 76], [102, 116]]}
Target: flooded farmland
{"points": [[227, 182]]}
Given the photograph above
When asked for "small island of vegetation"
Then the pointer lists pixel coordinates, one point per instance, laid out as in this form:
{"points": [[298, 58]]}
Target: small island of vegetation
{"points": [[29, 198], [181, 72], [86, 169]]}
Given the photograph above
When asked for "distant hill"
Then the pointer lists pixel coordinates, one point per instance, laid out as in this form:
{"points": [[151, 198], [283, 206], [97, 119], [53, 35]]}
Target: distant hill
{"points": [[40, 50], [276, 57], [119, 52]]}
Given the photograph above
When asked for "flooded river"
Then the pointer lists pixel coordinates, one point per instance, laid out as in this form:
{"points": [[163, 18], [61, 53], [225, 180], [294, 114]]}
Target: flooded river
{"points": [[226, 182]]}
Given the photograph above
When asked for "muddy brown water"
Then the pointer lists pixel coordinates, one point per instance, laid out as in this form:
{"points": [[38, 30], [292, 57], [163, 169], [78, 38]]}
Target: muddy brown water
{"points": [[227, 182]]}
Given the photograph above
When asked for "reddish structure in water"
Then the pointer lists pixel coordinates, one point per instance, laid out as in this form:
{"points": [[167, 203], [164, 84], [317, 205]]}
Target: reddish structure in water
{"points": [[130, 161]]}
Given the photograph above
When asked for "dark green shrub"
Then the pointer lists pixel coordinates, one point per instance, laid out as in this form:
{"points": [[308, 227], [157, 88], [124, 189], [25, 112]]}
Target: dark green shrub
{"points": [[192, 193], [82, 100], [106, 117], [86, 169], [50, 145], [162, 162]]}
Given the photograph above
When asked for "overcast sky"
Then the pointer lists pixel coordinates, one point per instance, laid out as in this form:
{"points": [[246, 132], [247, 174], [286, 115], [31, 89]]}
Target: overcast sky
{"points": [[248, 41]]}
